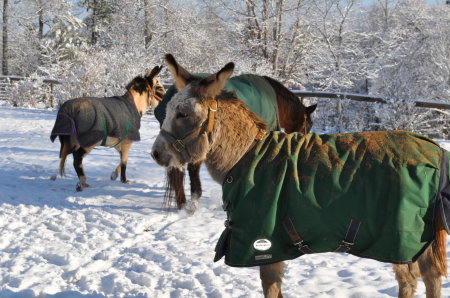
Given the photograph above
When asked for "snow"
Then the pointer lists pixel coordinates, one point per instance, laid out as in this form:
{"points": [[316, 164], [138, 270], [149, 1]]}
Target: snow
{"points": [[116, 240]]}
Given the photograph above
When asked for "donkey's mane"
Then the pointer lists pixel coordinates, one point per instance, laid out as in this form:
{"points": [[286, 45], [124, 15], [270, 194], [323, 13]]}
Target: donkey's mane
{"points": [[290, 98], [281, 89], [139, 84]]}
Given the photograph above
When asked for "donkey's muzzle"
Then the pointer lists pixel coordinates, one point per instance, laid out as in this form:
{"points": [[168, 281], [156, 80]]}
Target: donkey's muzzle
{"points": [[157, 157]]}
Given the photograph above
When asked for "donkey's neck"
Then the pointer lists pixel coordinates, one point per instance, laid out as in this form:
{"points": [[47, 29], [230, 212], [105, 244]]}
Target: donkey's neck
{"points": [[234, 133], [140, 101]]}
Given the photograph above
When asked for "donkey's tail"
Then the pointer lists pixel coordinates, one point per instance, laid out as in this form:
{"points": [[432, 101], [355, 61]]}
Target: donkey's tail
{"points": [[66, 149], [439, 246]]}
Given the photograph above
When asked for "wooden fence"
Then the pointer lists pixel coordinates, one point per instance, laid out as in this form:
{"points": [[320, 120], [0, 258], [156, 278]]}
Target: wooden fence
{"points": [[7, 81]]}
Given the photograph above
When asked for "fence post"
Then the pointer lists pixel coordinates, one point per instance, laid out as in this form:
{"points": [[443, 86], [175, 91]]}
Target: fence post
{"points": [[339, 112]]}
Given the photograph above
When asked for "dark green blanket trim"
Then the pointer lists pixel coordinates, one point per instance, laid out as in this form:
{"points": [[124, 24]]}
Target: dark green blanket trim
{"points": [[254, 90], [322, 183]]}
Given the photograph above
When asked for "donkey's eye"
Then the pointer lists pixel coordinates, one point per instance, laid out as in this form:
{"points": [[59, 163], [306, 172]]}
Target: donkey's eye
{"points": [[180, 115]]}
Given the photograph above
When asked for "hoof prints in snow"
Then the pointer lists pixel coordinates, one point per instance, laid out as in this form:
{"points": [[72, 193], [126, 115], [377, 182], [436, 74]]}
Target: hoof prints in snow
{"points": [[117, 240]]}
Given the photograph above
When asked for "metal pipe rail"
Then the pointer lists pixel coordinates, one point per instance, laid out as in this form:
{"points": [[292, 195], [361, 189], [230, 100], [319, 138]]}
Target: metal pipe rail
{"points": [[432, 104], [369, 98]]}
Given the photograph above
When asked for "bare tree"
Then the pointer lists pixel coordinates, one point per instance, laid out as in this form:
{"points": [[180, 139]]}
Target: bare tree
{"points": [[5, 37], [148, 32]]}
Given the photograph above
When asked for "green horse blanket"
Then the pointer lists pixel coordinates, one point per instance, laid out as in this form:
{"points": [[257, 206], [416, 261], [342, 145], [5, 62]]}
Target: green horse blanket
{"points": [[371, 194], [252, 89]]}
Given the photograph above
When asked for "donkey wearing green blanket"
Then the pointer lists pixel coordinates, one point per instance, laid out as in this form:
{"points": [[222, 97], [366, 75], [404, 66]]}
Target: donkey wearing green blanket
{"points": [[87, 122], [266, 97], [297, 185]]}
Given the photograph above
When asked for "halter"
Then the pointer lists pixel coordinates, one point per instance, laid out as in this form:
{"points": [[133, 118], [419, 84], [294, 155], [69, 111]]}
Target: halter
{"points": [[153, 93], [180, 144]]}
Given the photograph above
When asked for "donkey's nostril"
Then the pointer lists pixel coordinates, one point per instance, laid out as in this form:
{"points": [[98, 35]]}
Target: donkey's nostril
{"points": [[155, 155]]}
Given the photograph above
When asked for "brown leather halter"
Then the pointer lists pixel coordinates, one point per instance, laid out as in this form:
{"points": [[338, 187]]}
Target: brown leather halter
{"points": [[152, 93], [180, 144]]}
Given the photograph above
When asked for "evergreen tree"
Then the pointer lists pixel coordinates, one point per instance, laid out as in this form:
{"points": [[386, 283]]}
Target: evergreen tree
{"points": [[101, 12]]}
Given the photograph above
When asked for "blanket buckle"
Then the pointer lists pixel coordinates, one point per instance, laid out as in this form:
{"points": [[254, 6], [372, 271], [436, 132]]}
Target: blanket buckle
{"points": [[297, 241], [227, 224], [304, 248], [350, 236]]}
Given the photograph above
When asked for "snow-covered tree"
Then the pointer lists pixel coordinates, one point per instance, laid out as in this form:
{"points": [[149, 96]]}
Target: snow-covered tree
{"points": [[5, 27]]}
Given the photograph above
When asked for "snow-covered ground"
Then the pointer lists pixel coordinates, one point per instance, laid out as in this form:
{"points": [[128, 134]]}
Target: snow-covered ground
{"points": [[116, 240]]}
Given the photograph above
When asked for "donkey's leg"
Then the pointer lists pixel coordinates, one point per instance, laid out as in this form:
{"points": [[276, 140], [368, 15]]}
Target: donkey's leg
{"points": [[406, 276], [123, 161], [78, 165], [196, 187], [194, 177], [123, 149], [430, 273], [271, 278], [176, 182]]}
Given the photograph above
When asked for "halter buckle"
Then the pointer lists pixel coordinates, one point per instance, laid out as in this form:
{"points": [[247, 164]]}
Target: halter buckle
{"points": [[178, 145]]}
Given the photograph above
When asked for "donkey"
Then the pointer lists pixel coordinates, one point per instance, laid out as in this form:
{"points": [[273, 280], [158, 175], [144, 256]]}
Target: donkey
{"points": [[85, 123], [270, 178], [268, 98]]}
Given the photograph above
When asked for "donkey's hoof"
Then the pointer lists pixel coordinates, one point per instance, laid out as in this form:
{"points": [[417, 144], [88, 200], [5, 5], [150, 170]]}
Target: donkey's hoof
{"points": [[190, 206], [114, 175], [81, 186], [126, 181], [53, 177]]}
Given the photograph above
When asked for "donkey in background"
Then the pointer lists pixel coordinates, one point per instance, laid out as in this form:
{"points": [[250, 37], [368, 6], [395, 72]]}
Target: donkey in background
{"points": [[291, 114], [217, 128], [85, 123]]}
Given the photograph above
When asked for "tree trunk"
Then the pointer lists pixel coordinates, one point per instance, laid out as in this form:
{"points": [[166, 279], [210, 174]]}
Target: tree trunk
{"points": [[5, 38], [41, 30], [277, 34], [265, 29], [148, 34], [94, 35]]}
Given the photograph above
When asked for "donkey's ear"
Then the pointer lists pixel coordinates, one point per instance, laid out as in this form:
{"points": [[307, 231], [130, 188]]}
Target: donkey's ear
{"points": [[180, 75], [153, 73], [311, 109], [214, 84]]}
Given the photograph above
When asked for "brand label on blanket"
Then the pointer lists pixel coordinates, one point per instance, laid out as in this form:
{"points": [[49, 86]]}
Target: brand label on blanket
{"points": [[263, 257], [262, 244]]}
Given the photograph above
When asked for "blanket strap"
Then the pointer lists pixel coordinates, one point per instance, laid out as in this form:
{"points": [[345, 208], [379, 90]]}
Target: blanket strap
{"points": [[295, 237], [350, 236], [125, 135], [105, 132]]}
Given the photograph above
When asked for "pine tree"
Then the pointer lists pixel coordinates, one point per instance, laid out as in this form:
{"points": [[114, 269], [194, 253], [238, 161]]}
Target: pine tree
{"points": [[101, 12]]}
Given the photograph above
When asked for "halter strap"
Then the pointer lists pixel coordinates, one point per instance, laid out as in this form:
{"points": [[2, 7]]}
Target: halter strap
{"points": [[212, 109], [153, 93], [180, 144]]}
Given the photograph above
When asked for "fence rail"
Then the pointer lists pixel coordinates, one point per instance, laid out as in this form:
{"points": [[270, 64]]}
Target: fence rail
{"points": [[432, 104], [6, 81]]}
